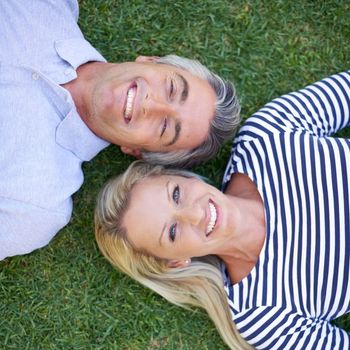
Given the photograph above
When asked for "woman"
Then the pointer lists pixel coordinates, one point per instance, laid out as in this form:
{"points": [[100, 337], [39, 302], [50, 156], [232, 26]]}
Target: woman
{"points": [[271, 253]]}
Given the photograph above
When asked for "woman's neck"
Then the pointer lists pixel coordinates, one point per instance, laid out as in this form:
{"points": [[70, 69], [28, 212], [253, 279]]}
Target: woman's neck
{"points": [[250, 229]]}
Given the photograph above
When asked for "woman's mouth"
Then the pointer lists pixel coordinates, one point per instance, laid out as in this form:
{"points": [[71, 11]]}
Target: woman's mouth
{"points": [[213, 218], [129, 103]]}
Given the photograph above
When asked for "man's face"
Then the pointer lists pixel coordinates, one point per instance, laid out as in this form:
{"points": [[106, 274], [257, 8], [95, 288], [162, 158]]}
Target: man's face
{"points": [[150, 106]]}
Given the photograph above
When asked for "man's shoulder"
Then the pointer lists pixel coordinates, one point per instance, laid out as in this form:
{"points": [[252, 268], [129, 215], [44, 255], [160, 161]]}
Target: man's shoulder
{"points": [[25, 227], [29, 28]]}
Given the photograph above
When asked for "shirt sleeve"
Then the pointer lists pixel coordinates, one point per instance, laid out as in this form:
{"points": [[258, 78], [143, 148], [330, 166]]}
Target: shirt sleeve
{"points": [[272, 328], [25, 227], [321, 108]]}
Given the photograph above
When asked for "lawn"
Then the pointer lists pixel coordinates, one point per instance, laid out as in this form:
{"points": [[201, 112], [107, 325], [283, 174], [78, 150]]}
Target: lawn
{"points": [[66, 296]]}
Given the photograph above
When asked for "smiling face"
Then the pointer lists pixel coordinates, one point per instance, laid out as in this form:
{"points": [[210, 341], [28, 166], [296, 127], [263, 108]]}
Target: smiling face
{"points": [[174, 217], [150, 106]]}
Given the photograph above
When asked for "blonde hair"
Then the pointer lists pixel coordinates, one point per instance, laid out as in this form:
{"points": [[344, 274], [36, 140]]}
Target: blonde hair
{"points": [[199, 284]]}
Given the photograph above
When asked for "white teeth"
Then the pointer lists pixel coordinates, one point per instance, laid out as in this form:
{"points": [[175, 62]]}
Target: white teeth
{"points": [[129, 102], [213, 217]]}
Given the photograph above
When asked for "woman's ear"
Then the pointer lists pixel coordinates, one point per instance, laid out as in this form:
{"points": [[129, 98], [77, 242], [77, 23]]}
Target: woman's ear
{"points": [[179, 263]]}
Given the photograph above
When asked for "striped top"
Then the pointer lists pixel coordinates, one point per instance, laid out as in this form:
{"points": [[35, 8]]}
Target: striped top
{"points": [[301, 280]]}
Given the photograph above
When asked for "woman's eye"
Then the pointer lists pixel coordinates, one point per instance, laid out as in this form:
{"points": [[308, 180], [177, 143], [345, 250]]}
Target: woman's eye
{"points": [[172, 232], [165, 124], [176, 194]]}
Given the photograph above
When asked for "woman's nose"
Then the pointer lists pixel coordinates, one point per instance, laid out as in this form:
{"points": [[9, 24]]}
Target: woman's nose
{"points": [[192, 215]]}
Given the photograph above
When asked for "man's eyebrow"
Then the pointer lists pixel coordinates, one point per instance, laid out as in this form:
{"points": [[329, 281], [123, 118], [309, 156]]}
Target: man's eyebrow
{"points": [[185, 88], [169, 199], [176, 135]]}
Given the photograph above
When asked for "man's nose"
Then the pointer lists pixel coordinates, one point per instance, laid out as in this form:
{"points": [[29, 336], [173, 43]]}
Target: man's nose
{"points": [[156, 107], [192, 215]]}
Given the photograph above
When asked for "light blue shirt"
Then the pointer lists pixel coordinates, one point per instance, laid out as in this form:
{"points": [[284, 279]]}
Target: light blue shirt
{"points": [[43, 139]]}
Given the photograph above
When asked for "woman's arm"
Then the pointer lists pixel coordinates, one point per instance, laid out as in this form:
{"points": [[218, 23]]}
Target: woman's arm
{"points": [[272, 328], [322, 108]]}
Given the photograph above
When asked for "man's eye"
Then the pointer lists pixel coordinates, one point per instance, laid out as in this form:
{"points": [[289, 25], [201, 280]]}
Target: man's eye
{"points": [[171, 87], [165, 123], [172, 232], [172, 90], [176, 194]]}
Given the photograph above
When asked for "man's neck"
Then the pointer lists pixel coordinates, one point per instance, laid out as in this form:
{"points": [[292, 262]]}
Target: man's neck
{"points": [[81, 87]]}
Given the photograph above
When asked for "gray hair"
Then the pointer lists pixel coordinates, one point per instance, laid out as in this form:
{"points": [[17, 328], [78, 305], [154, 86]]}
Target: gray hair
{"points": [[223, 125]]}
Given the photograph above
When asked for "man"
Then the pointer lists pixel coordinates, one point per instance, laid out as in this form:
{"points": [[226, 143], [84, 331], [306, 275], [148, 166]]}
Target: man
{"points": [[61, 103]]}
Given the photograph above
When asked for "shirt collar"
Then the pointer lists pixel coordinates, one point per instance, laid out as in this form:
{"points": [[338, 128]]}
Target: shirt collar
{"points": [[72, 133], [77, 51]]}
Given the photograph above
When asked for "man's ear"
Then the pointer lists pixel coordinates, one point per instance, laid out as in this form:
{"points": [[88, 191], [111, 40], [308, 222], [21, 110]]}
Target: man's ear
{"points": [[179, 263], [144, 59], [131, 151]]}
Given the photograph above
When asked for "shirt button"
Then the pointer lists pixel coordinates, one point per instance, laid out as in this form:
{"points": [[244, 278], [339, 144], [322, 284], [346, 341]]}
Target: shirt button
{"points": [[68, 71], [35, 76]]}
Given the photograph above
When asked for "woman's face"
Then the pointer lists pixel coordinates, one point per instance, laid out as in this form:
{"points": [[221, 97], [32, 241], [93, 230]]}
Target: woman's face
{"points": [[174, 217]]}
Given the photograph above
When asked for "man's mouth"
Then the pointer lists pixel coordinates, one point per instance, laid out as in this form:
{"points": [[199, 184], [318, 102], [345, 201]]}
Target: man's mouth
{"points": [[213, 218], [129, 103]]}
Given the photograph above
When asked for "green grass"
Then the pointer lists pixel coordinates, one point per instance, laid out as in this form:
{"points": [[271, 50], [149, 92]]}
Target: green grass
{"points": [[66, 296]]}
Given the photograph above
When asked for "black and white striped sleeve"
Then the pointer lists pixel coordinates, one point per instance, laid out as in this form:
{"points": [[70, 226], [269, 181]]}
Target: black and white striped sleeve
{"points": [[322, 108], [276, 328]]}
